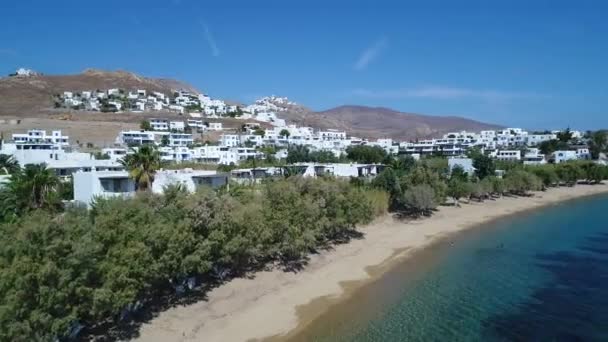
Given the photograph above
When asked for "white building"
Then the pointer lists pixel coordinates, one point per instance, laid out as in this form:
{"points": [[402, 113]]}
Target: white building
{"points": [[113, 92], [534, 157], [465, 163], [159, 124], [215, 126], [231, 140], [508, 155], [536, 139], [177, 126], [105, 184], [564, 156], [339, 169], [583, 154], [109, 184], [180, 139], [25, 72], [115, 153], [190, 179], [195, 123], [135, 138], [62, 162], [39, 136]]}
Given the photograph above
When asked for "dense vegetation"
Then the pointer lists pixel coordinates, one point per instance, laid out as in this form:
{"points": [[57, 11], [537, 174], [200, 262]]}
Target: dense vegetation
{"points": [[417, 188], [64, 268], [88, 267]]}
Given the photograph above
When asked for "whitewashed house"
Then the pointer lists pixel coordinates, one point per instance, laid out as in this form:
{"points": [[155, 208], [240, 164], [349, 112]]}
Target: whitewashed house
{"points": [[230, 140], [534, 157], [465, 163], [159, 124], [215, 126], [195, 123], [115, 153], [177, 126], [564, 156], [110, 184], [190, 179], [583, 154], [180, 139], [103, 184], [135, 138], [40, 136], [508, 155], [177, 108], [113, 92]]}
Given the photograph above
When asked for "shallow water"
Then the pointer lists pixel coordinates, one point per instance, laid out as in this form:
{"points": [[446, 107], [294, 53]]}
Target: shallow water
{"points": [[538, 276]]}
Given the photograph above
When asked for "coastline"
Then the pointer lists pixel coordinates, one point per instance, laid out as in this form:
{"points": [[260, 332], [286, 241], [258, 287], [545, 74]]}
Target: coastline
{"points": [[274, 304]]}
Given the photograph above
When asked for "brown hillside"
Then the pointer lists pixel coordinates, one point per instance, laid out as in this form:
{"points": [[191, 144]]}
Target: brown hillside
{"points": [[377, 122], [32, 96]]}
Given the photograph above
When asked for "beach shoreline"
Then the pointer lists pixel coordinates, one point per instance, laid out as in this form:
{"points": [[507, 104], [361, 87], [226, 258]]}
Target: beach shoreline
{"points": [[274, 305]]}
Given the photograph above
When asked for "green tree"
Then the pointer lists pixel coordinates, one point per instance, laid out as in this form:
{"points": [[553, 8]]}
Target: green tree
{"points": [[388, 180], [145, 125], [366, 154], [284, 133], [546, 173], [457, 189], [484, 166], [8, 164], [425, 175], [402, 164], [569, 173], [564, 136], [598, 141], [164, 141], [419, 200], [459, 174], [519, 182], [142, 165], [298, 154], [547, 147]]}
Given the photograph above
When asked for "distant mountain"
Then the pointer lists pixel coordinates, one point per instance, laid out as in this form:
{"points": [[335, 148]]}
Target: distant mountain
{"points": [[33, 95], [378, 122]]}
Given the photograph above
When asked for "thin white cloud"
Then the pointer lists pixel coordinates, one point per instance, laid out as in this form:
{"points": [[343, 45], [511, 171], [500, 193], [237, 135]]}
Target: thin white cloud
{"points": [[446, 93], [215, 51], [371, 53], [8, 52]]}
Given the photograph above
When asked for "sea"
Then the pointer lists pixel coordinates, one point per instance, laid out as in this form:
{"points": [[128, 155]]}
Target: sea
{"points": [[541, 275]]}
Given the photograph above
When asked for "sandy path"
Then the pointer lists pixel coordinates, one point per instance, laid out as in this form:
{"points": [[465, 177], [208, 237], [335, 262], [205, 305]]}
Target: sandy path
{"points": [[246, 309]]}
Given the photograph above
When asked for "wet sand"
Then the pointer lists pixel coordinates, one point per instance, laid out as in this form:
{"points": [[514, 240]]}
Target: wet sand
{"points": [[274, 304]]}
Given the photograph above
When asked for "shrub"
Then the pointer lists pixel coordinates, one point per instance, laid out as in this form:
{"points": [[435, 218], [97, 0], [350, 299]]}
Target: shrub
{"points": [[419, 200]]}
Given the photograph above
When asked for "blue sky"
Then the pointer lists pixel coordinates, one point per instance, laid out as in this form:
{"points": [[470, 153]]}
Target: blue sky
{"points": [[534, 64]]}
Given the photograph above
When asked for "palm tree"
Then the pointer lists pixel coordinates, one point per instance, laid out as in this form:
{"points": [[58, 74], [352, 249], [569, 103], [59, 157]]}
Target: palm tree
{"points": [[8, 164], [35, 187], [142, 165]]}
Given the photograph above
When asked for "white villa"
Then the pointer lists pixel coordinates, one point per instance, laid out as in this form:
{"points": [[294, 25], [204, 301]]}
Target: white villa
{"points": [[36, 147], [108, 184], [35, 136]]}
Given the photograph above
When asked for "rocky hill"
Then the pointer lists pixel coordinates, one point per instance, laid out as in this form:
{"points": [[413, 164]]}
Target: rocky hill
{"points": [[32, 96], [378, 122]]}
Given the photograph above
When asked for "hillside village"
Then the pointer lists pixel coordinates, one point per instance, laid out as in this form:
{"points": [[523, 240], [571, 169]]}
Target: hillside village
{"points": [[182, 142], [91, 171], [117, 100]]}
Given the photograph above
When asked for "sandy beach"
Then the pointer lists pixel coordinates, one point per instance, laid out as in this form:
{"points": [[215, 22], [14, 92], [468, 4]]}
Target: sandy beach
{"points": [[273, 303]]}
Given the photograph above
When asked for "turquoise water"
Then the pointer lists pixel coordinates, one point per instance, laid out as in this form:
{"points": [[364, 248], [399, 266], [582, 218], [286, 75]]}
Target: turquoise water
{"points": [[539, 276]]}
